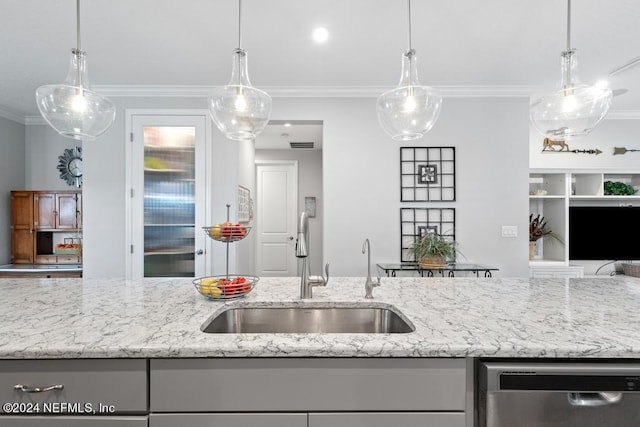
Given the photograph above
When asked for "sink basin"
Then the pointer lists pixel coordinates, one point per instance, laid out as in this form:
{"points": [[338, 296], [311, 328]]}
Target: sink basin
{"points": [[308, 319]]}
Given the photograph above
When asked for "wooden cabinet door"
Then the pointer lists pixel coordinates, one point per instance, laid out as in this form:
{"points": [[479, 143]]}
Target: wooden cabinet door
{"points": [[22, 209], [45, 205], [66, 207], [22, 235], [22, 246]]}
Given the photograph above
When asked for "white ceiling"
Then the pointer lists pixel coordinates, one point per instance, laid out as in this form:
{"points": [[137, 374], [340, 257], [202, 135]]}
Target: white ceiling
{"points": [[185, 47], [279, 135]]}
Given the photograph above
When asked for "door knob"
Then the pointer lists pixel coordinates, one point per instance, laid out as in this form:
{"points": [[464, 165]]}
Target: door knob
{"points": [[199, 252], [290, 237]]}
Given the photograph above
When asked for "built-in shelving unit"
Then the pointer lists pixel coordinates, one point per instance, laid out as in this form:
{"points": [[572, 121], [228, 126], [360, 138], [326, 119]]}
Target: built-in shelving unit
{"points": [[551, 192]]}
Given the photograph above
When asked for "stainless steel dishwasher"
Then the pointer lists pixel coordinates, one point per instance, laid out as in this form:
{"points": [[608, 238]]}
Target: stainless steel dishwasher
{"points": [[513, 394]]}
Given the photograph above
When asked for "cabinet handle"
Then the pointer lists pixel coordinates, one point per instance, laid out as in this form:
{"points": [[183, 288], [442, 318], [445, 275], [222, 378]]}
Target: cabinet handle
{"points": [[27, 389], [594, 399]]}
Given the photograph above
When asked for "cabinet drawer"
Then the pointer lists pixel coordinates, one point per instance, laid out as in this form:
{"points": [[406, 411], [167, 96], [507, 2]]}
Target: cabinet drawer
{"points": [[46, 259], [120, 383], [386, 419], [68, 259], [69, 421], [228, 420], [285, 384]]}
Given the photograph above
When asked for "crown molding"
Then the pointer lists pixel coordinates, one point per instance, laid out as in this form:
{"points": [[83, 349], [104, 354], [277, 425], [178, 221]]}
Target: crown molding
{"points": [[35, 120], [313, 91], [12, 116], [178, 91]]}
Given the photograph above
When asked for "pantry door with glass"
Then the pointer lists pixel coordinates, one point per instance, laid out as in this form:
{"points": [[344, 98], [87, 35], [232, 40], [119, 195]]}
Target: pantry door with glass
{"points": [[168, 195]]}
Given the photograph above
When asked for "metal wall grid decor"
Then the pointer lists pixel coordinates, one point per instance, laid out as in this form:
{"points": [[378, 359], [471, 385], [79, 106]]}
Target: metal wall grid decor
{"points": [[416, 222], [427, 174]]}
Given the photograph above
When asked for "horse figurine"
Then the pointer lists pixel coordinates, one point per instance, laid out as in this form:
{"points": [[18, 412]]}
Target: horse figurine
{"points": [[550, 145]]}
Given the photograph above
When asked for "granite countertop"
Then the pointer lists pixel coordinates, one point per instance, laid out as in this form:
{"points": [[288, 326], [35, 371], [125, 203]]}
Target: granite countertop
{"points": [[453, 317]]}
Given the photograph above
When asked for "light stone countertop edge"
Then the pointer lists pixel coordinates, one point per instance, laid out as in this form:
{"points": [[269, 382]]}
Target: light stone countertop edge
{"points": [[453, 317]]}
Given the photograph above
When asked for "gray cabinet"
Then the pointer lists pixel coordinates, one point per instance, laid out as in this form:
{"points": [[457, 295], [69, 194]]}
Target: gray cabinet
{"points": [[236, 392], [228, 420], [386, 419], [72, 421], [317, 392], [74, 392], [292, 384]]}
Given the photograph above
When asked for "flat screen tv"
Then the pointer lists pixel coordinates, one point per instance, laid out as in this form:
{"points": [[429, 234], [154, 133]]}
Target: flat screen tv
{"points": [[604, 233]]}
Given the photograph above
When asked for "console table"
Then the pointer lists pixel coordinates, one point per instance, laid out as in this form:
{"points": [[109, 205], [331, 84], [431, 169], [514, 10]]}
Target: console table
{"points": [[390, 269]]}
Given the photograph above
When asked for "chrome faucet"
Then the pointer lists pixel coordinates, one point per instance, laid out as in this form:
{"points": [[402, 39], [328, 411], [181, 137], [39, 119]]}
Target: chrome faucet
{"points": [[307, 282], [369, 284]]}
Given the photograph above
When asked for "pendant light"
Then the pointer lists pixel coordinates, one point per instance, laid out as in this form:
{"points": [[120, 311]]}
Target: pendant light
{"points": [[238, 109], [410, 110], [574, 109], [72, 108]]}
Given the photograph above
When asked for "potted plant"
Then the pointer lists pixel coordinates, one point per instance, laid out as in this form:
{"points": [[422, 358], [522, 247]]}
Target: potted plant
{"points": [[537, 230], [432, 250]]}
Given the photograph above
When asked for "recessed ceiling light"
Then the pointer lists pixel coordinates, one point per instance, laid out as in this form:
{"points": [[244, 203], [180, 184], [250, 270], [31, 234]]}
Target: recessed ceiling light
{"points": [[320, 35], [287, 125]]}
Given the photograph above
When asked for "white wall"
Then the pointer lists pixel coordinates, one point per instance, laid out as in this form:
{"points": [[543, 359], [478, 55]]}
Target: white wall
{"points": [[43, 145], [360, 180], [245, 249], [610, 133], [309, 184], [12, 177]]}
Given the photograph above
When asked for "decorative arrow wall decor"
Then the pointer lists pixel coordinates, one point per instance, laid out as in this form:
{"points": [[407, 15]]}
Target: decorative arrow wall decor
{"points": [[589, 151], [559, 146], [621, 150]]}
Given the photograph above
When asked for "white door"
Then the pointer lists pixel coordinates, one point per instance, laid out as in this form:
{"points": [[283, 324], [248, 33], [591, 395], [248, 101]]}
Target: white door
{"points": [[168, 205], [276, 206]]}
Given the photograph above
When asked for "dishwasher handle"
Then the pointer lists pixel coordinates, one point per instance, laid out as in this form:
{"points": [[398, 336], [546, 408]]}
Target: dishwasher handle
{"points": [[594, 399]]}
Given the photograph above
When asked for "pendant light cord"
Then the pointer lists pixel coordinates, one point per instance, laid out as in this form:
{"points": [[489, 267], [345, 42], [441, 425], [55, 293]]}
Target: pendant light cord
{"points": [[239, 24], [78, 51], [568, 25], [409, 18], [78, 46], [568, 53]]}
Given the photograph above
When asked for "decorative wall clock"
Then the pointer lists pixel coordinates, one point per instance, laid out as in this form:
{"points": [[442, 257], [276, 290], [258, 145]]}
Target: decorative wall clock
{"points": [[70, 166]]}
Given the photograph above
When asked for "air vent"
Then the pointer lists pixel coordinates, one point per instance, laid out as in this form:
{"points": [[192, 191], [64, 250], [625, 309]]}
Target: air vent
{"points": [[301, 144]]}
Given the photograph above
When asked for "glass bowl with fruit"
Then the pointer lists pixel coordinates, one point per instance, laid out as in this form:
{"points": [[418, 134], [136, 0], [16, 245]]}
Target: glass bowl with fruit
{"points": [[227, 231], [225, 287]]}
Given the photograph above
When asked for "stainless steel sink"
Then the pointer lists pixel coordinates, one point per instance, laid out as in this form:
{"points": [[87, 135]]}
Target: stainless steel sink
{"points": [[308, 319]]}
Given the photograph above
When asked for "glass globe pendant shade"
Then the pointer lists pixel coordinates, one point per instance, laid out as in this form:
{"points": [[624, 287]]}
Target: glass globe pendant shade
{"points": [[240, 110], [72, 108], [573, 110], [410, 110]]}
